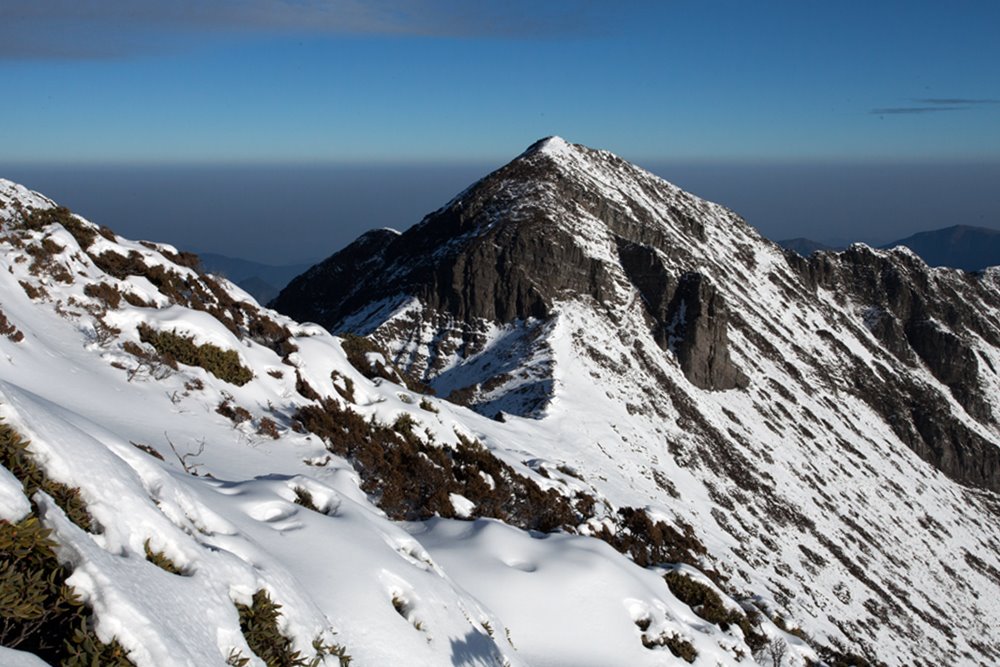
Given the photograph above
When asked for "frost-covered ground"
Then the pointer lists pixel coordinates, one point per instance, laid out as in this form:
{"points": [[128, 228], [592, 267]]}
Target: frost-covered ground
{"points": [[219, 499]]}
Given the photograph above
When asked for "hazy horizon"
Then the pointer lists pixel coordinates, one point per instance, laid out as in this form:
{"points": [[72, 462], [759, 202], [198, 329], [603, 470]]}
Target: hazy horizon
{"points": [[286, 214]]}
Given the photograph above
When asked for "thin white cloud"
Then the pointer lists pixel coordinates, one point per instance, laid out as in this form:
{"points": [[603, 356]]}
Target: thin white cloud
{"points": [[84, 29]]}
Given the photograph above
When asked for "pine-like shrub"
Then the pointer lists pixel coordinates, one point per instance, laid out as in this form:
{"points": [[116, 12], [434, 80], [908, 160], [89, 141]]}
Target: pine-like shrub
{"points": [[161, 560], [259, 623], [41, 218], [34, 601], [14, 456], [39, 613], [677, 645], [357, 348], [411, 480], [223, 364], [708, 604], [107, 294]]}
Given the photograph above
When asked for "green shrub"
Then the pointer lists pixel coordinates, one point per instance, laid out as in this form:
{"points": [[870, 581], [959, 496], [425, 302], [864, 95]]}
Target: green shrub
{"points": [[108, 295], [160, 560], [39, 613], [677, 645], [702, 599], [323, 649], [709, 605], [651, 542], [41, 218], [84, 649], [259, 623], [33, 597], [14, 456], [223, 364]]}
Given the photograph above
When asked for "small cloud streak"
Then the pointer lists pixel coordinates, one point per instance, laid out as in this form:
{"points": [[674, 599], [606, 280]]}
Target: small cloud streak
{"points": [[899, 111], [934, 105], [952, 101], [70, 29]]}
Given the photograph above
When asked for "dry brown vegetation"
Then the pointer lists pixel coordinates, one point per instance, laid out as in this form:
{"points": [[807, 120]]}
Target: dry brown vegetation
{"points": [[412, 480]]}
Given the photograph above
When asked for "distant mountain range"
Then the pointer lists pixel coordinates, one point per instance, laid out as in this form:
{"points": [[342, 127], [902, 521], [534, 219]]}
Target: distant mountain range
{"points": [[958, 246], [262, 281]]}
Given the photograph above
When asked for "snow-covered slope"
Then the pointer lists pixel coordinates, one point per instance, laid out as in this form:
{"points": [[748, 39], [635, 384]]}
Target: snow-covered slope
{"points": [[828, 428], [243, 452]]}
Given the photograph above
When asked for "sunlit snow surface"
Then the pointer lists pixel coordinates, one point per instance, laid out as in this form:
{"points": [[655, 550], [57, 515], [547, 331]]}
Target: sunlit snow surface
{"points": [[466, 593], [879, 523]]}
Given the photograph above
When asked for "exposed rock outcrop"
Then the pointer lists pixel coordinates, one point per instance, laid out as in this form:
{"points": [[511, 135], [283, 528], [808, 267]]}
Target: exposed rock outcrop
{"points": [[565, 223]]}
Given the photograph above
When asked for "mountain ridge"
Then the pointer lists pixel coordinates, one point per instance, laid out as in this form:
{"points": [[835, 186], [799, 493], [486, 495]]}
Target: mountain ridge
{"points": [[965, 247], [787, 491], [569, 284]]}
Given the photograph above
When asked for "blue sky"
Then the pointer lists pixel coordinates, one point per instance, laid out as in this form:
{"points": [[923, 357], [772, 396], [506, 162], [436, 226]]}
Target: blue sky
{"points": [[312, 81], [210, 124]]}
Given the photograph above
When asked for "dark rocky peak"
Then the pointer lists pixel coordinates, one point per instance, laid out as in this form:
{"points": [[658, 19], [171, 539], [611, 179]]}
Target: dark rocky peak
{"points": [[674, 293], [537, 231]]}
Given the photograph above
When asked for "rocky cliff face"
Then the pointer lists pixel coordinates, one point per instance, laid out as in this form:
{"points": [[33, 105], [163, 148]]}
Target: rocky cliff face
{"points": [[828, 426], [498, 254], [507, 249]]}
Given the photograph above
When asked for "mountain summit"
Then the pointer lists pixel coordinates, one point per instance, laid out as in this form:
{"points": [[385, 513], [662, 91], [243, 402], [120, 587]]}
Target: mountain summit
{"points": [[827, 426], [693, 445], [560, 221]]}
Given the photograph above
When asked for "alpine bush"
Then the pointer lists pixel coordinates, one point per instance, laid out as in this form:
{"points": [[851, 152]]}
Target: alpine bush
{"points": [[39, 613], [223, 364]]}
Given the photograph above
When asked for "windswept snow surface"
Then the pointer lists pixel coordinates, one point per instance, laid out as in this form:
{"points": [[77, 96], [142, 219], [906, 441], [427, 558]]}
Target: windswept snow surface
{"points": [[220, 504]]}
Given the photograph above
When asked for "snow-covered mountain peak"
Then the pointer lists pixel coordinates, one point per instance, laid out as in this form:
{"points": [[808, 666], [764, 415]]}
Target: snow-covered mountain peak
{"points": [[785, 408], [197, 459], [552, 146]]}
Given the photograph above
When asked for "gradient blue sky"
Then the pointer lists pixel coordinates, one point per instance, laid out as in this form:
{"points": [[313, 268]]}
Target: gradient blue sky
{"points": [[683, 83]]}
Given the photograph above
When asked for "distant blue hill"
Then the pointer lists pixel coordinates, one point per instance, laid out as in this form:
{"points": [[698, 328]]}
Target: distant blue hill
{"points": [[263, 281], [958, 247]]}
